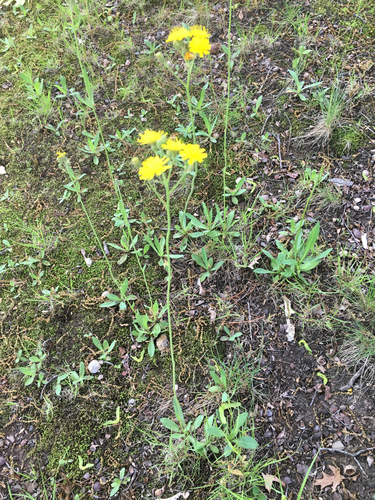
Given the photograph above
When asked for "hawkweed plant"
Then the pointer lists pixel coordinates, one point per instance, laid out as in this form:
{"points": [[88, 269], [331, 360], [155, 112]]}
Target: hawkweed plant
{"points": [[171, 156]]}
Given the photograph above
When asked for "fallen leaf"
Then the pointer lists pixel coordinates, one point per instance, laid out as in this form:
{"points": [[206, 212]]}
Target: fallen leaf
{"points": [[184, 495], [202, 291], [269, 479], [370, 460], [288, 307], [212, 312], [290, 330], [87, 259], [327, 480], [254, 262], [341, 182], [364, 241], [235, 472]]}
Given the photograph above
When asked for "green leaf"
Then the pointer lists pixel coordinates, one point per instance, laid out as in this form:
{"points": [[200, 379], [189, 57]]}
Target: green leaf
{"points": [[169, 424], [111, 296], [313, 236], [215, 431], [198, 421], [34, 359], [97, 343], [178, 411], [108, 304], [247, 442], [259, 270], [151, 348], [26, 371]]}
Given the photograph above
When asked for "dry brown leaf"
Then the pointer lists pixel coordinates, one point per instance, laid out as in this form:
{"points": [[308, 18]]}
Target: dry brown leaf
{"points": [[235, 472], [327, 480], [269, 479]]}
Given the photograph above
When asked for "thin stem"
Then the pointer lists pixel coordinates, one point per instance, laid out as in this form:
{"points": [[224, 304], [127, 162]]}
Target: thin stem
{"points": [[228, 101], [167, 206], [188, 97]]}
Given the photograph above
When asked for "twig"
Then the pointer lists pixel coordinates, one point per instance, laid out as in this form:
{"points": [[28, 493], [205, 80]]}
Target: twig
{"points": [[350, 455], [278, 144], [350, 384], [355, 239], [264, 124], [313, 399], [50, 380], [361, 18], [250, 328]]}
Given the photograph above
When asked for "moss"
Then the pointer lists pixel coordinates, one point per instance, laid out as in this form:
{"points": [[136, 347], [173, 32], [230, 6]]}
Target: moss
{"points": [[347, 140]]}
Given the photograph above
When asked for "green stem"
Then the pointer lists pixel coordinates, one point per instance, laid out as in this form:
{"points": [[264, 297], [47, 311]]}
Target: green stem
{"points": [[188, 97], [167, 206], [228, 101]]}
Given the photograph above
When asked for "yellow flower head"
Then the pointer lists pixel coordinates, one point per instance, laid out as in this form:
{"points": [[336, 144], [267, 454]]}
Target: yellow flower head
{"points": [[150, 136], [178, 34], [60, 154], [192, 153], [199, 46], [154, 165], [173, 145], [199, 31]]}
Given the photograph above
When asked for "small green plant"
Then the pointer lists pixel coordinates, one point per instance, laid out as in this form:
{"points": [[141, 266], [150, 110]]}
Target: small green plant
{"points": [[73, 379], [332, 102], [300, 86], [291, 263], [234, 193], [299, 60], [255, 109], [93, 147], [230, 337], [123, 137], [33, 370], [210, 126], [207, 263], [104, 348], [115, 300], [313, 177], [152, 48], [118, 481], [148, 326], [35, 90], [7, 42], [218, 429]]}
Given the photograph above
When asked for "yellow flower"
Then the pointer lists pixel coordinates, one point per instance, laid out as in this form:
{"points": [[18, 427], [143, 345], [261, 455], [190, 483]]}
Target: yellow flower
{"points": [[150, 137], [178, 34], [192, 153], [154, 165], [199, 46], [173, 145], [60, 154], [199, 31]]}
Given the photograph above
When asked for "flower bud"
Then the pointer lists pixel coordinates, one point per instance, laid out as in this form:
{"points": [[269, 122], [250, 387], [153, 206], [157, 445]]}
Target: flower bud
{"points": [[136, 162], [160, 58], [162, 140]]}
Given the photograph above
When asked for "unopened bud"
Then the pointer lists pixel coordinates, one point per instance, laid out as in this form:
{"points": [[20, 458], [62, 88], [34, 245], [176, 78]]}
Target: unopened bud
{"points": [[162, 140], [160, 58], [136, 162]]}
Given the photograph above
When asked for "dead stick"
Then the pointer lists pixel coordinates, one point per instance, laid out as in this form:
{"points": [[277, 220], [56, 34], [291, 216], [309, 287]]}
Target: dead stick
{"points": [[350, 384], [346, 453]]}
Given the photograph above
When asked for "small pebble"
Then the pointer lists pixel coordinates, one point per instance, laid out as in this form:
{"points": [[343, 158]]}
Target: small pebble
{"points": [[97, 487], [87, 475], [94, 366]]}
